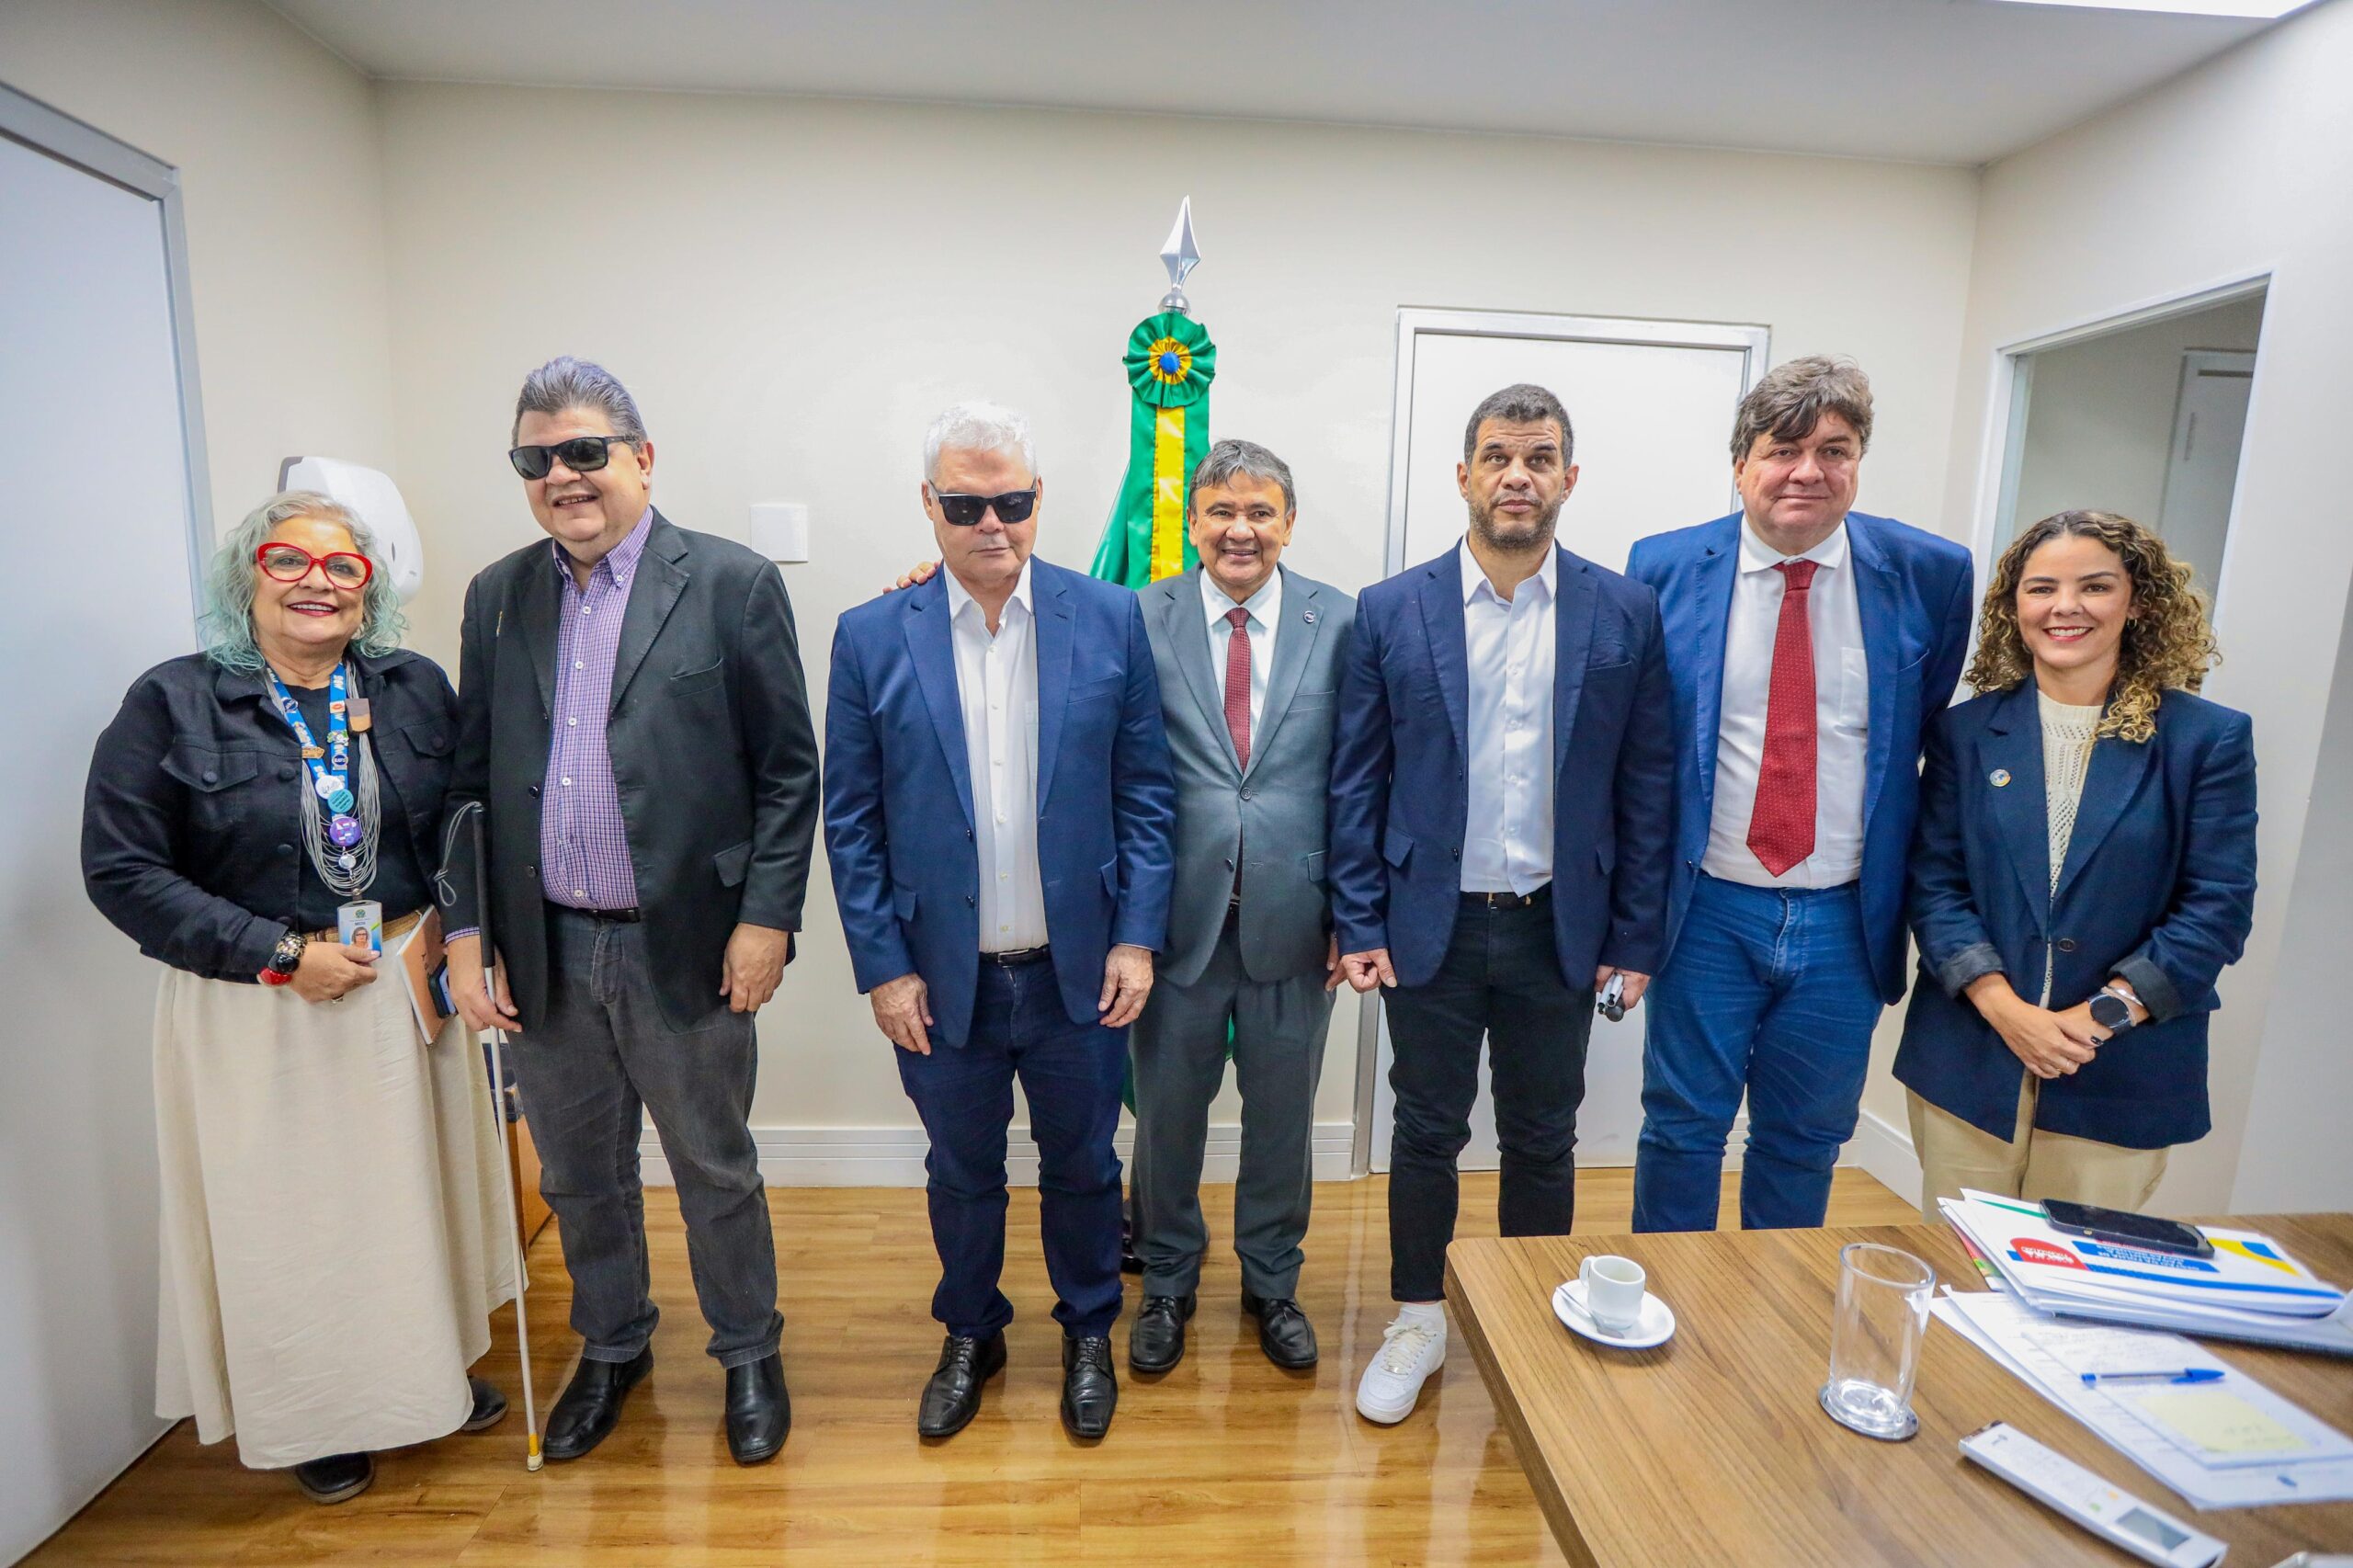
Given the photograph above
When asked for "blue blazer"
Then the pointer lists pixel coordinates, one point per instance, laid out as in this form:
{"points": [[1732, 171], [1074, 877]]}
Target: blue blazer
{"points": [[899, 792], [1916, 596], [2158, 887], [1399, 794]]}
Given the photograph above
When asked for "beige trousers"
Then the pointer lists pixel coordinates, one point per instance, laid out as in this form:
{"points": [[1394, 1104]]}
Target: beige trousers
{"points": [[2033, 1163]]}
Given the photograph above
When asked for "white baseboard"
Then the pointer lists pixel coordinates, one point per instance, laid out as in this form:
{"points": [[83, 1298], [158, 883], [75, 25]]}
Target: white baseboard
{"points": [[893, 1156], [1885, 1150]]}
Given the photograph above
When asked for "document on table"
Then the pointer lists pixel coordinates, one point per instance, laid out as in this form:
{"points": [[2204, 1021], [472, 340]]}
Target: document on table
{"points": [[2233, 1444]]}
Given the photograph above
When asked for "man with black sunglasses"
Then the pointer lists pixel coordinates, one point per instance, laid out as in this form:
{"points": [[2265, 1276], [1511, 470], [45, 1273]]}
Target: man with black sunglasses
{"points": [[998, 814], [633, 718]]}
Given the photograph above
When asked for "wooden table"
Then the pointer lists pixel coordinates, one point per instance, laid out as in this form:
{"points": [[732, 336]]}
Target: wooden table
{"points": [[1712, 1449]]}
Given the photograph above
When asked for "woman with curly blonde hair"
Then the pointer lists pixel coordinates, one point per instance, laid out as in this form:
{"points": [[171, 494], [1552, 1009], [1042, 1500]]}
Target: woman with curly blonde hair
{"points": [[2084, 868]]}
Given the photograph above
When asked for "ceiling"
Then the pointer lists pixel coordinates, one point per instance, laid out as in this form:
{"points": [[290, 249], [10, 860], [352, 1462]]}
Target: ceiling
{"points": [[1936, 81]]}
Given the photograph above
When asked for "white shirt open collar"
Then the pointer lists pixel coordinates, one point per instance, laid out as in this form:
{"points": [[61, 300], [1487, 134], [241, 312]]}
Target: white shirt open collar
{"points": [[1474, 577], [959, 599]]}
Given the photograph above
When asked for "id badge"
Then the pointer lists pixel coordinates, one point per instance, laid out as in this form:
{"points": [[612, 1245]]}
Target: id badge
{"points": [[365, 916]]}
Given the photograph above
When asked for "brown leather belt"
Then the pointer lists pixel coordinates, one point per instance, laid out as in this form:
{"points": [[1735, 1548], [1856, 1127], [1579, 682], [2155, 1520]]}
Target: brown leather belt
{"points": [[393, 929]]}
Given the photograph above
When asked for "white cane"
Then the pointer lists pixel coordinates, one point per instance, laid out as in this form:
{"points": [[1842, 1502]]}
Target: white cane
{"points": [[471, 815]]}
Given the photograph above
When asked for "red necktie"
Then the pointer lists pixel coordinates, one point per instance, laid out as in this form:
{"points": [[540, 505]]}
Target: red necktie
{"points": [[1237, 684], [1780, 828]]}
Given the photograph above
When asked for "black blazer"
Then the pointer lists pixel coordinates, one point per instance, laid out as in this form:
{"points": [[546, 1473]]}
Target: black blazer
{"points": [[189, 841], [713, 755], [2158, 887]]}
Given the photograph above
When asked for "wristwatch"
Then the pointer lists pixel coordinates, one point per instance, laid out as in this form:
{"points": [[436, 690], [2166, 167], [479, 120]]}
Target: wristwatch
{"points": [[2111, 1011], [284, 958]]}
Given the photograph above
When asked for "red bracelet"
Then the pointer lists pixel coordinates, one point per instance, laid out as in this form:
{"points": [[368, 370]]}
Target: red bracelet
{"points": [[271, 977]]}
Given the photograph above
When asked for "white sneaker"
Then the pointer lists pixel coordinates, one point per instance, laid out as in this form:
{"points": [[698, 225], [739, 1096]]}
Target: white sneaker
{"points": [[1392, 1380]]}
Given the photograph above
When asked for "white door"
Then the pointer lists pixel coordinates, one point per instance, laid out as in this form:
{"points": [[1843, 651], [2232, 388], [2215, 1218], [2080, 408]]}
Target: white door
{"points": [[1651, 404], [94, 589], [2202, 468]]}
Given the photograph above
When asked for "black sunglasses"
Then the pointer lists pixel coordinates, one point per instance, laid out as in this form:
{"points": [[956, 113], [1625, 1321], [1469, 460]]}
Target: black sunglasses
{"points": [[582, 454], [964, 511]]}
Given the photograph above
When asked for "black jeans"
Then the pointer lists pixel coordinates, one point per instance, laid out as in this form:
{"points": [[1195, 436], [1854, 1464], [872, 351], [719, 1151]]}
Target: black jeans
{"points": [[1501, 980]]}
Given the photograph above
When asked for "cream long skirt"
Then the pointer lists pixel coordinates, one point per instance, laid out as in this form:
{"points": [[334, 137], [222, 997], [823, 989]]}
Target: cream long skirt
{"points": [[331, 1214]]}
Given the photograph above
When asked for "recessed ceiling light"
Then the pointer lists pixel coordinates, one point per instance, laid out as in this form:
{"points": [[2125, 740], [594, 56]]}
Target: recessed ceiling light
{"points": [[2263, 10]]}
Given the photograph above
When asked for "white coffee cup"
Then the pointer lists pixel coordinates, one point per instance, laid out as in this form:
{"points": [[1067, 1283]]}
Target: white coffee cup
{"points": [[1614, 1287]]}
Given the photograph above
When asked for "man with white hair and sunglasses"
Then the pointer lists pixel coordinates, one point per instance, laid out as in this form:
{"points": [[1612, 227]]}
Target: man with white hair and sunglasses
{"points": [[999, 812]]}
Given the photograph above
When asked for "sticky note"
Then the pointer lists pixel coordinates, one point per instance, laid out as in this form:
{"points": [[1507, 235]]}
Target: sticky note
{"points": [[2219, 1421]]}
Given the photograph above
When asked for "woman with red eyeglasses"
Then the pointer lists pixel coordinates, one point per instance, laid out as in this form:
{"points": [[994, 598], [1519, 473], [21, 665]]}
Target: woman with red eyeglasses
{"points": [[330, 1204]]}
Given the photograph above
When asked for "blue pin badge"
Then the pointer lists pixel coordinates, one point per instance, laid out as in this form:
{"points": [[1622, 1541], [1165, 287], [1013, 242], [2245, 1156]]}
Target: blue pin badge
{"points": [[2000, 777]]}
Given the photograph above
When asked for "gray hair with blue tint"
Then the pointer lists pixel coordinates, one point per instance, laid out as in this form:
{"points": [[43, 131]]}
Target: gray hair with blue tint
{"points": [[226, 626], [564, 383]]}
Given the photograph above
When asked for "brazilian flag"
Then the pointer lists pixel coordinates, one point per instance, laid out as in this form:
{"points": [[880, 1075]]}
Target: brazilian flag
{"points": [[1171, 362]]}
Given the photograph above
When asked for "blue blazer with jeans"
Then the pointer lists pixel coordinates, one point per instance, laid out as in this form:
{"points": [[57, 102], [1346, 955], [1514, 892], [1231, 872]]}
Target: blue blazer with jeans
{"points": [[1399, 788], [2158, 889], [899, 798], [1915, 591]]}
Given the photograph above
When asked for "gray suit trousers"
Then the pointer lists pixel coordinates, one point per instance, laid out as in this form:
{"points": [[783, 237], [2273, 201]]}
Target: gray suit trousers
{"points": [[1178, 1047]]}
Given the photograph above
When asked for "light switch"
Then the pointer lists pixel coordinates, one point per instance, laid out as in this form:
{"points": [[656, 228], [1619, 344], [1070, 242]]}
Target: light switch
{"points": [[781, 530]]}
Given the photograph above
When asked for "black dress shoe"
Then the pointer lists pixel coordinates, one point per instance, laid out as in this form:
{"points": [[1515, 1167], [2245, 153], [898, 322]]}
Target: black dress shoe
{"points": [[1157, 1339], [490, 1406], [1284, 1332], [759, 1413], [591, 1405], [337, 1478], [1090, 1389], [952, 1397]]}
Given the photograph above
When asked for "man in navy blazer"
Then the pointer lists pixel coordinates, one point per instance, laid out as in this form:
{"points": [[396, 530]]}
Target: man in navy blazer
{"points": [[1501, 801], [999, 812], [1809, 647]]}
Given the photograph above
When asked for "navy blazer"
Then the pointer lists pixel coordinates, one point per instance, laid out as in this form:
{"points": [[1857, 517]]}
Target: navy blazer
{"points": [[1400, 791], [1916, 593], [899, 792], [2158, 887]]}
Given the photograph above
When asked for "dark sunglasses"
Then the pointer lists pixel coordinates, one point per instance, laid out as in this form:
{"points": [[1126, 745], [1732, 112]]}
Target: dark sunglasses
{"points": [[964, 511], [582, 454]]}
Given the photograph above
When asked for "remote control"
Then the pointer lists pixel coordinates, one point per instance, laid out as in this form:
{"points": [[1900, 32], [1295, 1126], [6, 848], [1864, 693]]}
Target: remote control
{"points": [[2117, 1517]]}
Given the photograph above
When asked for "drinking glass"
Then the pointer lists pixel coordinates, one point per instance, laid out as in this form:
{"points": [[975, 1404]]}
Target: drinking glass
{"points": [[1883, 1298]]}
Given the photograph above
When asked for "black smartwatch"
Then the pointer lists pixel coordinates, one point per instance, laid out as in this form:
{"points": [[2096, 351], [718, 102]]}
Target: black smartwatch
{"points": [[2112, 1012]]}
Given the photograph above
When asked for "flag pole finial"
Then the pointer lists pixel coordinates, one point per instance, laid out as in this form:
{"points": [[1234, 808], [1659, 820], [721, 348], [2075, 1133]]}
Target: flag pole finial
{"points": [[1180, 255]]}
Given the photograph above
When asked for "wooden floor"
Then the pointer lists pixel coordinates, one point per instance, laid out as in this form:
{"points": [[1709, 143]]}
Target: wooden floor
{"points": [[1225, 1460]]}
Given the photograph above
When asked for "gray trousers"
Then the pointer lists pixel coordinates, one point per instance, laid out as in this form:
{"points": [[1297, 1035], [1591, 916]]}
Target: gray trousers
{"points": [[588, 1072], [1178, 1048]]}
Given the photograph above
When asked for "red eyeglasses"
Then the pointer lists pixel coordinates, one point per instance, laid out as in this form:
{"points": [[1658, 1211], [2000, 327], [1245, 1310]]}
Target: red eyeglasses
{"points": [[292, 563]]}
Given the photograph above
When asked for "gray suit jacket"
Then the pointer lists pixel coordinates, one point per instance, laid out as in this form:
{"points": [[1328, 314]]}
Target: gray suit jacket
{"points": [[1269, 815]]}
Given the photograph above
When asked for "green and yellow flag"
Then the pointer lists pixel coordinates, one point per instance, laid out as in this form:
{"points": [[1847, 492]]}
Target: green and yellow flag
{"points": [[1171, 362]]}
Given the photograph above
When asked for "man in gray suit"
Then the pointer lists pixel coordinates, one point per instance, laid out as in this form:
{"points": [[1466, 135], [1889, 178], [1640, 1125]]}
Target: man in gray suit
{"points": [[1249, 657]]}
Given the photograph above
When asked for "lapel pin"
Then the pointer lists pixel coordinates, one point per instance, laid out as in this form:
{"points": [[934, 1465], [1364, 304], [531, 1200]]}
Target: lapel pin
{"points": [[1308, 616], [2000, 775]]}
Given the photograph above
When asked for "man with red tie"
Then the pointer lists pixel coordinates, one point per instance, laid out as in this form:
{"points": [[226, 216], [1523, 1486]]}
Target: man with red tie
{"points": [[1808, 646]]}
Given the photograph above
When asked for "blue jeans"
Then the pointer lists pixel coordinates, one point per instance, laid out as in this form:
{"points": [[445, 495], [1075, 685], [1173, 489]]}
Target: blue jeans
{"points": [[1071, 1073], [1767, 989]]}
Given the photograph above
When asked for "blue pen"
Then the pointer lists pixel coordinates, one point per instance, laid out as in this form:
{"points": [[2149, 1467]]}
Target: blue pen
{"points": [[2191, 1375]]}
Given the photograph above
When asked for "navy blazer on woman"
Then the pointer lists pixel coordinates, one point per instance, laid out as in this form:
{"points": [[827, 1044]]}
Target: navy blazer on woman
{"points": [[2158, 887], [1401, 793], [899, 798]]}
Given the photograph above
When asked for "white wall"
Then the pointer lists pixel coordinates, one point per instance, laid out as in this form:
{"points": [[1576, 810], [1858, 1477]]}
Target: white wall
{"points": [[792, 288], [2237, 168]]}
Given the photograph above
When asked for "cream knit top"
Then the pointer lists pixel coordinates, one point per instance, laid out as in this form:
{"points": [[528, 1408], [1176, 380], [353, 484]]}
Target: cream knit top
{"points": [[2067, 735]]}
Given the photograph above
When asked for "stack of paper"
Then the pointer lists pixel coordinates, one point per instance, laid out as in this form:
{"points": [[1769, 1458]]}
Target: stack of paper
{"points": [[2250, 1290]]}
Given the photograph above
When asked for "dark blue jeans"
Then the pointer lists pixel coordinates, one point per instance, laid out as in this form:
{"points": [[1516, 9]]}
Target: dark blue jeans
{"points": [[1070, 1073], [1769, 991]]}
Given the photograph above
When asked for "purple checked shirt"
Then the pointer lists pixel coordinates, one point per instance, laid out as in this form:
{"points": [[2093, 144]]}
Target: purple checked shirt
{"points": [[584, 852]]}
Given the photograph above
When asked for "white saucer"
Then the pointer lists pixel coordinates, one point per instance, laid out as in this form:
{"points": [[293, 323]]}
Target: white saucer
{"points": [[1656, 1327]]}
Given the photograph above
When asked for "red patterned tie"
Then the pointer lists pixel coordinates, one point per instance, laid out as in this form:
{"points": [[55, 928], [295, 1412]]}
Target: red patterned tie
{"points": [[1780, 828], [1237, 683]]}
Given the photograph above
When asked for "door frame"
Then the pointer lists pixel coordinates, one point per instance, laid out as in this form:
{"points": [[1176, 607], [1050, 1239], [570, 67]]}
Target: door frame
{"points": [[1414, 321]]}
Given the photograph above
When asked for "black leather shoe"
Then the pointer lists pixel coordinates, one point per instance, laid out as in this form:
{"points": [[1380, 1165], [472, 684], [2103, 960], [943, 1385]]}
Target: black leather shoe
{"points": [[337, 1478], [1284, 1332], [591, 1405], [759, 1413], [490, 1406], [1157, 1339], [952, 1397], [1090, 1389]]}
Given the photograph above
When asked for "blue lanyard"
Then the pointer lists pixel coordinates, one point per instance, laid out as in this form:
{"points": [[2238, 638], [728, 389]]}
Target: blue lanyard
{"points": [[330, 766]]}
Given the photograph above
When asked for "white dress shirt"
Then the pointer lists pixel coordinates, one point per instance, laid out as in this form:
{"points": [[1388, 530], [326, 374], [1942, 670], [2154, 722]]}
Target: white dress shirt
{"points": [[996, 685], [1508, 644], [1842, 715], [1266, 608]]}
